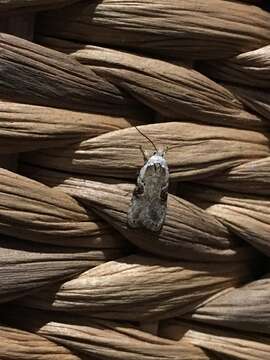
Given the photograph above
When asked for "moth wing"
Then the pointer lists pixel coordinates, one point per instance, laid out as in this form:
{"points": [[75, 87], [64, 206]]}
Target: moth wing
{"points": [[153, 217], [133, 216]]}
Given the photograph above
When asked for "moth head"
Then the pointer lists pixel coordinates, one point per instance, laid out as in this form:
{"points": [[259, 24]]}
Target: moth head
{"points": [[162, 151]]}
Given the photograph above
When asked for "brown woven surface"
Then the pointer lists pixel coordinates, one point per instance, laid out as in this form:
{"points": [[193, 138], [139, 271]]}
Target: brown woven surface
{"points": [[75, 79]]}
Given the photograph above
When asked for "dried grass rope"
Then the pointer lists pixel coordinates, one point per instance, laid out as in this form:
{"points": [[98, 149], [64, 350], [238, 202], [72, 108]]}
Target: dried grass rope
{"points": [[75, 281]]}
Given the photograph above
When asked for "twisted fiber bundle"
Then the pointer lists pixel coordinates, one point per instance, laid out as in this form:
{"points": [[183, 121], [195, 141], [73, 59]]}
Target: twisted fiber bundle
{"points": [[247, 215], [252, 65], [104, 339], [173, 91], [75, 281], [19, 258], [230, 310], [230, 344], [18, 344], [179, 29], [26, 127], [178, 239]]}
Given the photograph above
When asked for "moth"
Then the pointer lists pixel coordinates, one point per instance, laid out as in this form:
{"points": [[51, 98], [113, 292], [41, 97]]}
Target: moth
{"points": [[149, 200]]}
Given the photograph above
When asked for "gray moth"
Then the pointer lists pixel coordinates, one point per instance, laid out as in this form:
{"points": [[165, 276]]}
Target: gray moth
{"points": [[149, 200]]}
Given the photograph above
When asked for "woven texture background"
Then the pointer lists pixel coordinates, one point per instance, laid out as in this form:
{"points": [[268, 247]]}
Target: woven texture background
{"points": [[75, 79]]}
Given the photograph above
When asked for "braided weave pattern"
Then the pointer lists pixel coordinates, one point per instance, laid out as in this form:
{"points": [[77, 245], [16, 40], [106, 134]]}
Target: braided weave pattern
{"points": [[76, 77]]}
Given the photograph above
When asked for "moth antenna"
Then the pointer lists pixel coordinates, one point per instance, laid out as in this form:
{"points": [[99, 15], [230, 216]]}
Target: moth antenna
{"points": [[147, 138]]}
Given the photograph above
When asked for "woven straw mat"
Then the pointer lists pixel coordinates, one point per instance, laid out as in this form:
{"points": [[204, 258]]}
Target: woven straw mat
{"points": [[83, 84]]}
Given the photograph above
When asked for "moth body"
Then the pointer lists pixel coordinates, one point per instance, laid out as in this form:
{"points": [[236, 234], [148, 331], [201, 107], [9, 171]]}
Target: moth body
{"points": [[149, 200]]}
